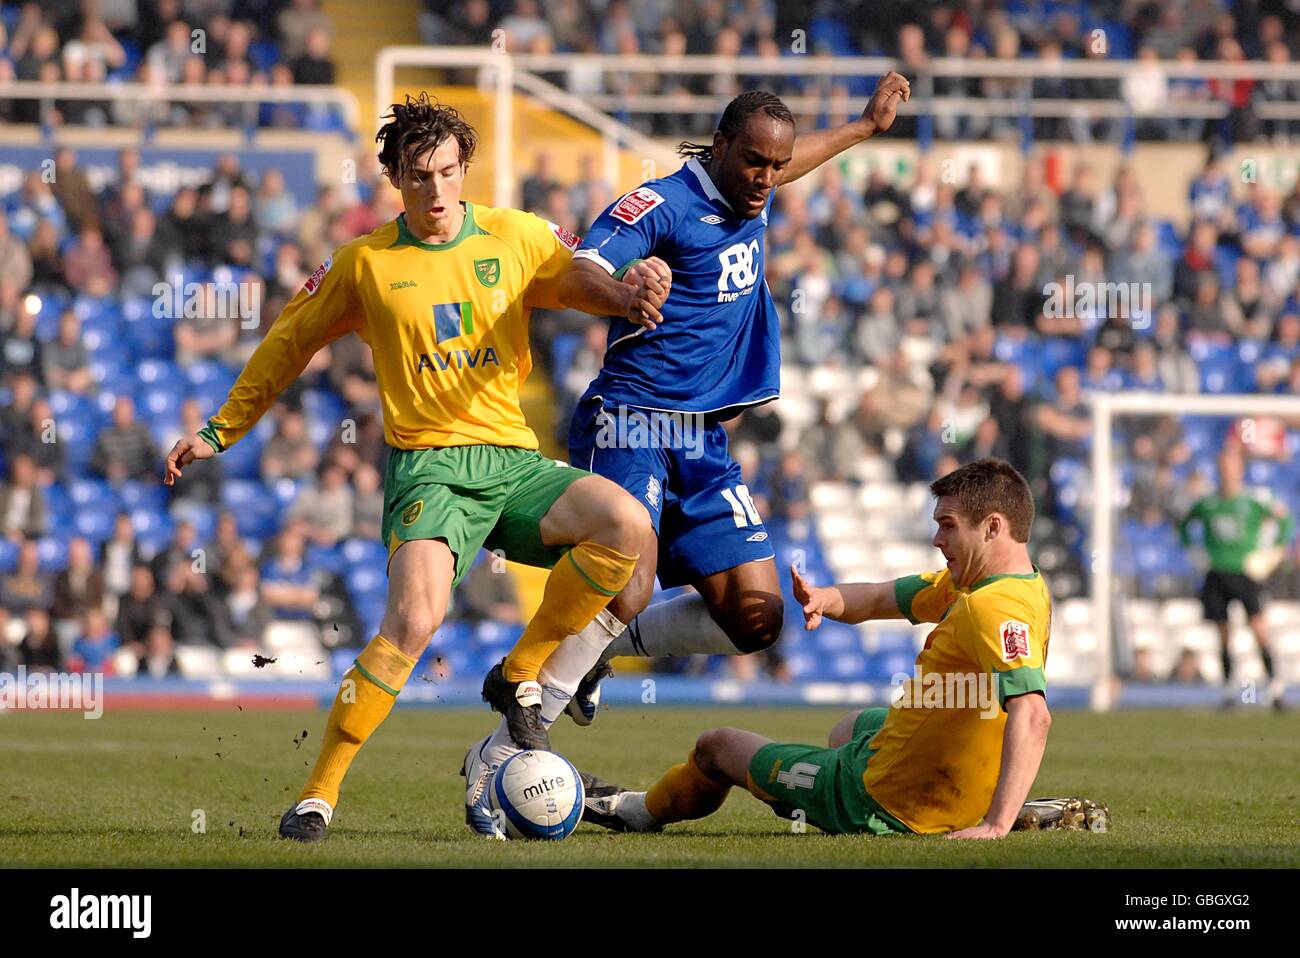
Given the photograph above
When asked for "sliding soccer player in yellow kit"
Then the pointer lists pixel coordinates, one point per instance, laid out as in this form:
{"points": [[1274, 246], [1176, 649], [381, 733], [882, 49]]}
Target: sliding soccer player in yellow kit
{"points": [[442, 296], [959, 751]]}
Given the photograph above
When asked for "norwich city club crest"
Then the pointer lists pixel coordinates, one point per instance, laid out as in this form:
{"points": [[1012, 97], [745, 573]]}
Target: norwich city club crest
{"points": [[488, 271], [412, 512]]}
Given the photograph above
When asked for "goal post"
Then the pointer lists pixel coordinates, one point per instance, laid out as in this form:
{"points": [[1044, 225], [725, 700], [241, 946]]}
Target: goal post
{"points": [[1105, 408]]}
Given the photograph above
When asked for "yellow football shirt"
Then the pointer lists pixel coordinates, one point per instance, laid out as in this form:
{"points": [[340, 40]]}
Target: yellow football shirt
{"points": [[940, 750], [447, 323]]}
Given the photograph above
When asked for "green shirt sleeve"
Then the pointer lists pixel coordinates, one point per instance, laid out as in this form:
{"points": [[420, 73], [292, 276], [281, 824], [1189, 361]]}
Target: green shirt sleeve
{"points": [[209, 435], [1019, 682], [905, 590]]}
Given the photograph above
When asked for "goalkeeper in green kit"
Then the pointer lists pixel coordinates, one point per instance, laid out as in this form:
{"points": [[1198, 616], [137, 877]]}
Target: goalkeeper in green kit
{"points": [[1236, 528]]}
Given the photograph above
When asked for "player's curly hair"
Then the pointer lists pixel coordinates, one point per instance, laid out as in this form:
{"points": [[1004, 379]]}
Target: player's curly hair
{"points": [[986, 486], [420, 125], [734, 117]]}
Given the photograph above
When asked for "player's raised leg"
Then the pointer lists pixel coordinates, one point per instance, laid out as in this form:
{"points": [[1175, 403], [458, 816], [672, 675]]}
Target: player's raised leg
{"points": [[606, 530], [420, 576]]}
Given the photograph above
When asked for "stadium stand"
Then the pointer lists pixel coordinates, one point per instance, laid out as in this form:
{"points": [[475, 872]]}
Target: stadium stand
{"points": [[920, 342]]}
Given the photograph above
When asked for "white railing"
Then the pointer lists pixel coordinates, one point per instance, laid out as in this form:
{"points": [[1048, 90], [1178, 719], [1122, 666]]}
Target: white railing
{"points": [[499, 74], [504, 73], [156, 94]]}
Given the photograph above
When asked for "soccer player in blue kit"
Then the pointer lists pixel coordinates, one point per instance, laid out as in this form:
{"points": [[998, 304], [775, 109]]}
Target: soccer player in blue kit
{"points": [[652, 419], [716, 353]]}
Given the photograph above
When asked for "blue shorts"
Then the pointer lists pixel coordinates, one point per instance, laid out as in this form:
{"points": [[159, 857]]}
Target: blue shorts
{"points": [[686, 479]]}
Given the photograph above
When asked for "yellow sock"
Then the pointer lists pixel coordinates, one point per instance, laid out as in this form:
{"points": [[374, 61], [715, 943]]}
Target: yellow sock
{"points": [[365, 698], [684, 793], [580, 585]]}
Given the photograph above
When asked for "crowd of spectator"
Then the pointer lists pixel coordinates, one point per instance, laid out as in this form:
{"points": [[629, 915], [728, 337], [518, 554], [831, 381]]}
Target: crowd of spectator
{"points": [[915, 31], [70, 262], [166, 44], [942, 292]]}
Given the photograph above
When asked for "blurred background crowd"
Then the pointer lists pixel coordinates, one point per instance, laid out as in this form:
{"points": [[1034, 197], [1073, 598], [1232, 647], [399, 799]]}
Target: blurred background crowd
{"points": [[915, 31], [916, 318], [166, 43]]}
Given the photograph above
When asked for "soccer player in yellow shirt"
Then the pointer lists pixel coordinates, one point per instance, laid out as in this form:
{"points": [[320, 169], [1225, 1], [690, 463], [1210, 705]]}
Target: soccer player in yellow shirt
{"points": [[959, 750], [442, 295]]}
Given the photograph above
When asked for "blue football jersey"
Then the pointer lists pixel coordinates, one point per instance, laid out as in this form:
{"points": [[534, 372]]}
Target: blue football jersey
{"points": [[718, 348]]}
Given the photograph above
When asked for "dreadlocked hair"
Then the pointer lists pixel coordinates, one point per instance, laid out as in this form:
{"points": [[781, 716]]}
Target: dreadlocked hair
{"points": [[418, 126], [734, 117]]}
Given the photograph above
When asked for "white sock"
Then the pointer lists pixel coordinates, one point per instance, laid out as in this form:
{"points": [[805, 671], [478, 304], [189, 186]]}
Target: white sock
{"points": [[560, 677], [565, 668], [680, 626], [499, 747], [631, 808]]}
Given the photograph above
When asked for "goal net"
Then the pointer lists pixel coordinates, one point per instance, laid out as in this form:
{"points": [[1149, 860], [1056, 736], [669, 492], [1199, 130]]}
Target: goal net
{"points": [[1152, 458]]}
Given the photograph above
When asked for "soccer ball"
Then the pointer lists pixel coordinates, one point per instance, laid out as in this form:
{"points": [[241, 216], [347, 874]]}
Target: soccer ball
{"points": [[537, 795]]}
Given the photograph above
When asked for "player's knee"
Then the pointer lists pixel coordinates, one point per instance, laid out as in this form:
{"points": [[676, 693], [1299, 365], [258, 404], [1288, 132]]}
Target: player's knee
{"points": [[843, 730], [411, 628], [757, 625], [636, 595], [709, 749], [626, 525]]}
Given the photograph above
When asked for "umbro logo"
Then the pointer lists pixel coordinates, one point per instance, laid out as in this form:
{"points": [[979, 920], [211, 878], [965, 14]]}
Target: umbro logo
{"points": [[713, 219], [757, 537]]}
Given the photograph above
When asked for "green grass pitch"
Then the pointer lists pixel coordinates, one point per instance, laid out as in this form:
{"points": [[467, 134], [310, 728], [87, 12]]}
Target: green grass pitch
{"points": [[1184, 788]]}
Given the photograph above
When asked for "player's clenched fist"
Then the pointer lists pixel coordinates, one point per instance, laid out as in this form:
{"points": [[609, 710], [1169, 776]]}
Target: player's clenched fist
{"points": [[651, 280], [882, 108], [816, 602], [186, 450]]}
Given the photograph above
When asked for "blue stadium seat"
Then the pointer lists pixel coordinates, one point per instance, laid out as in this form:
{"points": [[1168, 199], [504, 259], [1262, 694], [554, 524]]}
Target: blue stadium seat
{"points": [[143, 495], [365, 552], [497, 634], [8, 556], [93, 524], [160, 373], [153, 529], [324, 412], [324, 558], [370, 613], [64, 403], [563, 348], [158, 403], [1220, 374], [148, 335], [1058, 352], [255, 510], [286, 491], [78, 434], [200, 515], [53, 554], [454, 635], [243, 460], [94, 494], [366, 581]]}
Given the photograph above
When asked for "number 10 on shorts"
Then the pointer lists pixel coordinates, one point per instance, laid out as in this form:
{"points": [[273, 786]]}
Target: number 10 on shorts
{"points": [[743, 510]]}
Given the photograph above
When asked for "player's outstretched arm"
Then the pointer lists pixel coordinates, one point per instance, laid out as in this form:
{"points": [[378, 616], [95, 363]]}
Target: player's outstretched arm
{"points": [[1023, 741], [325, 308], [187, 450], [811, 150], [638, 295], [851, 602]]}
